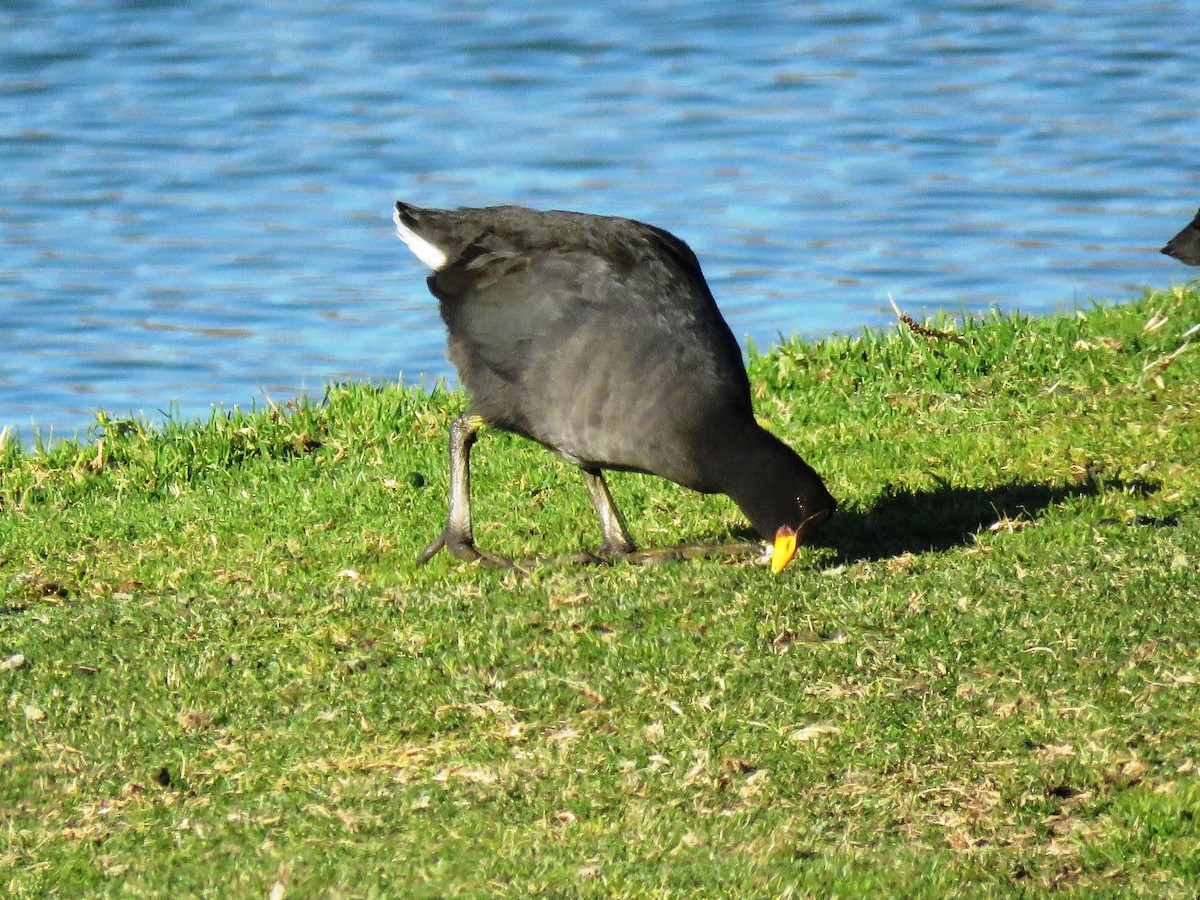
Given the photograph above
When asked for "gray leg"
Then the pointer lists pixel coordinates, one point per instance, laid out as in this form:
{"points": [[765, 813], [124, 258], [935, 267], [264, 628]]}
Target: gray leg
{"points": [[618, 545], [612, 524], [457, 536]]}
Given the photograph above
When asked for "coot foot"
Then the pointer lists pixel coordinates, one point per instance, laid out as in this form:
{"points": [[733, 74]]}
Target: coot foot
{"points": [[733, 551], [461, 547]]}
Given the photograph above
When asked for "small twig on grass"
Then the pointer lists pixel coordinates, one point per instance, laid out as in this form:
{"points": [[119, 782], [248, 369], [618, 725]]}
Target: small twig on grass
{"points": [[1160, 365], [1155, 322], [922, 330]]}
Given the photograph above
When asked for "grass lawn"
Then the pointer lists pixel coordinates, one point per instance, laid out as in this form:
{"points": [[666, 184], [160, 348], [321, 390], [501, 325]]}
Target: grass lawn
{"points": [[224, 676]]}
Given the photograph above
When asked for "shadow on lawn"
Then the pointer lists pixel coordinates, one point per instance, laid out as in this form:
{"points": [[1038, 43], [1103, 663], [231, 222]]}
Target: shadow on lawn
{"points": [[947, 516]]}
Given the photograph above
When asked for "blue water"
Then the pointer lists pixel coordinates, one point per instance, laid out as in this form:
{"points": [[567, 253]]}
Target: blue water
{"points": [[195, 198]]}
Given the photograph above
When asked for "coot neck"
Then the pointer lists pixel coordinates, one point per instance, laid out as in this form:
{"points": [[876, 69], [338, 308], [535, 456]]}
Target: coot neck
{"points": [[769, 481]]}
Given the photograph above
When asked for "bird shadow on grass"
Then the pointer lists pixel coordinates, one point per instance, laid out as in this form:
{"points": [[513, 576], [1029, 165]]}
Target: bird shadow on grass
{"points": [[942, 518]]}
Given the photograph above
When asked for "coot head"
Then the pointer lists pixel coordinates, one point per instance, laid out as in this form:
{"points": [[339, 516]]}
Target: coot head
{"points": [[1185, 246]]}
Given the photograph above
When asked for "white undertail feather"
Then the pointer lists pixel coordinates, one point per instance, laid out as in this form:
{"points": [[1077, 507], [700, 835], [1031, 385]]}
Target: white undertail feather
{"points": [[421, 248]]}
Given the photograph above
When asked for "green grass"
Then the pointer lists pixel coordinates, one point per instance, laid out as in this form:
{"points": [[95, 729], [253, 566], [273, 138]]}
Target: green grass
{"points": [[225, 673]]}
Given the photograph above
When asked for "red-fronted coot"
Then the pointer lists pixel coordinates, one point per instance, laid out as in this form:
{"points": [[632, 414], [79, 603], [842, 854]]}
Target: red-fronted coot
{"points": [[599, 338]]}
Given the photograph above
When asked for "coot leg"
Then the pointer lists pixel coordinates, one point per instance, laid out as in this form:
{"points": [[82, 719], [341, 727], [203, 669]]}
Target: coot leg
{"points": [[457, 536], [612, 524], [618, 544]]}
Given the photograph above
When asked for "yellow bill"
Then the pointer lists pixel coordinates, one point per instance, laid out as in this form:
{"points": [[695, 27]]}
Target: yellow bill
{"points": [[784, 548]]}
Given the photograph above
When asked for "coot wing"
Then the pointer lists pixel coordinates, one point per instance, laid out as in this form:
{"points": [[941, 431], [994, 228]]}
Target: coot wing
{"points": [[602, 352]]}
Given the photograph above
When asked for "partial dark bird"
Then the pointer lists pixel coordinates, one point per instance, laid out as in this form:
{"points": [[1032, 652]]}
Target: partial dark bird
{"points": [[1185, 246], [599, 338]]}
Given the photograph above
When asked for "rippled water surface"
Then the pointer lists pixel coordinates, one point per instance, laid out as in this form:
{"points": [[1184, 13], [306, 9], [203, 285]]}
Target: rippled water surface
{"points": [[195, 198]]}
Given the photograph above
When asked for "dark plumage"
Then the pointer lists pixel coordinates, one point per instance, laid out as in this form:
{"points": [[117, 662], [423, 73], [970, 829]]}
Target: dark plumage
{"points": [[598, 337], [1185, 246]]}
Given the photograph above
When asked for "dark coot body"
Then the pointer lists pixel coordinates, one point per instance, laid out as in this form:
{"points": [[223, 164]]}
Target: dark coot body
{"points": [[1185, 246], [599, 338]]}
